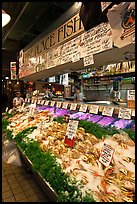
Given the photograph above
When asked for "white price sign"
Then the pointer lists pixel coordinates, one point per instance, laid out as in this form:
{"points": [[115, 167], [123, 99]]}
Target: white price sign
{"points": [[93, 109], [108, 110], [6, 109], [71, 129], [23, 105], [42, 102], [73, 106], [65, 105], [52, 103], [26, 100], [32, 101], [131, 95], [106, 154], [46, 103], [124, 113], [58, 105], [83, 108], [35, 102], [39, 101], [133, 112]]}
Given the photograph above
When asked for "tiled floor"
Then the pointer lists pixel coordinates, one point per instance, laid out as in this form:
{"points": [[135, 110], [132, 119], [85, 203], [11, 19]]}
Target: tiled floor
{"points": [[19, 185]]}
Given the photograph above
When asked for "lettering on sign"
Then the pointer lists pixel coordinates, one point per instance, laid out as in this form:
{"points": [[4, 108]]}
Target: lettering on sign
{"points": [[124, 113], [65, 105], [83, 108], [73, 106], [131, 95], [108, 110], [133, 112], [106, 154], [93, 109]]}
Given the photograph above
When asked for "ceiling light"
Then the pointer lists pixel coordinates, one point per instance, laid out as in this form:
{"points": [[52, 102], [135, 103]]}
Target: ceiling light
{"points": [[78, 4], [6, 77], [5, 18]]}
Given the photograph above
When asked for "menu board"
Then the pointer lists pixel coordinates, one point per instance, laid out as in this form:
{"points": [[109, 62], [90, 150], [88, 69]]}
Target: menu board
{"points": [[93, 109], [106, 154], [73, 106], [124, 113], [83, 108], [108, 110], [65, 105]]}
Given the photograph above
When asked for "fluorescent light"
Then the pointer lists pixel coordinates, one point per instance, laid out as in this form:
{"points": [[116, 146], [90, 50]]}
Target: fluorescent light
{"points": [[6, 77], [5, 18]]}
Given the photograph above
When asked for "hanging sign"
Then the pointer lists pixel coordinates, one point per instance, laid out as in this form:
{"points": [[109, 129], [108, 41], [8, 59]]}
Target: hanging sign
{"points": [[13, 70], [83, 108], [93, 109], [88, 60], [52, 103], [106, 154], [46, 103], [108, 110], [71, 132], [73, 106], [65, 105], [58, 105], [124, 113]]}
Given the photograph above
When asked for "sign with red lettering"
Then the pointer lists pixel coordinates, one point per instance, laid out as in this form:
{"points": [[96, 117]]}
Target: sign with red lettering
{"points": [[71, 133]]}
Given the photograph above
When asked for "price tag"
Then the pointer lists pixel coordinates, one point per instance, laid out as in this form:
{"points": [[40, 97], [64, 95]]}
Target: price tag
{"points": [[65, 105], [93, 109], [26, 100], [39, 101], [23, 105], [71, 132], [131, 95], [32, 101], [124, 113], [106, 154], [108, 110], [52, 103], [46, 103], [83, 108], [35, 102], [6, 109], [42, 102], [133, 112], [58, 105], [73, 106]]}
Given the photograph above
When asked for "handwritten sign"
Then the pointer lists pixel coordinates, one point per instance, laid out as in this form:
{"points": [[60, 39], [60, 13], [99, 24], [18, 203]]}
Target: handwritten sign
{"points": [[93, 109], [108, 110], [133, 112], [32, 101], [124, 113], [35, 102], [83, 108], [65, 105], [88, 60], [73, 106], [71, 132], [58, 105], [52, 103], [46, 103], [42, 102], [28, 100], [106, 154], [39, 101], [131, 95]]}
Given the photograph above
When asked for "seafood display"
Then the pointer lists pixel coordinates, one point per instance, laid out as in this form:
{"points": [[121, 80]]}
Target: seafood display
{"points": [[113, 183]]}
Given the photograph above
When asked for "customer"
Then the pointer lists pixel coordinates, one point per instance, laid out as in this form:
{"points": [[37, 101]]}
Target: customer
{"points": [[78, 96], [18, 100]]}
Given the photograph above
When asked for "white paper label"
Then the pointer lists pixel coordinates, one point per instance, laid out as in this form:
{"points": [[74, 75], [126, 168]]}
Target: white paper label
{"points": [[23, 105], [124, 113], [26, 100], [106, 154], [46, 103], [35, 102], [39, 101], [32, 101], [42, 102], [52, 103], [65, 105], [83, 108], [73, 106], [133, 112], [71, 129], [88, 60], [108, 110], [93, 109], [58, 105], [6, 109], [131, 95]]}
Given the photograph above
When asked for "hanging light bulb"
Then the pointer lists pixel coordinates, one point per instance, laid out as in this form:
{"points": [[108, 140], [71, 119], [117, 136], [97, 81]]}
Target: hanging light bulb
{"points": [[5, 18]]}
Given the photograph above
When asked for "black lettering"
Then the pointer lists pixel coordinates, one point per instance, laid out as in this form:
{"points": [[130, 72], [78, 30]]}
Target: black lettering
{"points": [[75, 22], [59, 31], [70, 26], [44, 43], [52, 40], [65, 31]]}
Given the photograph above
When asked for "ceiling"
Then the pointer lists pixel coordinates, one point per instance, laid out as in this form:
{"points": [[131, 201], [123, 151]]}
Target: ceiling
{"points": [[28, 20]]}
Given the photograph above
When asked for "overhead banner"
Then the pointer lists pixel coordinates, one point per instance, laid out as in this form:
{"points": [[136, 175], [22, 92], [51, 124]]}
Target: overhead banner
{"points": [[122, 21], [13, 70]]}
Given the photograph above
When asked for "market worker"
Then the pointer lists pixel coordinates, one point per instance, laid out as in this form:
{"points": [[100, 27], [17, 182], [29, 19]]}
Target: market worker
{"points": [[48, 93], [18, 100], [78, 96]]}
